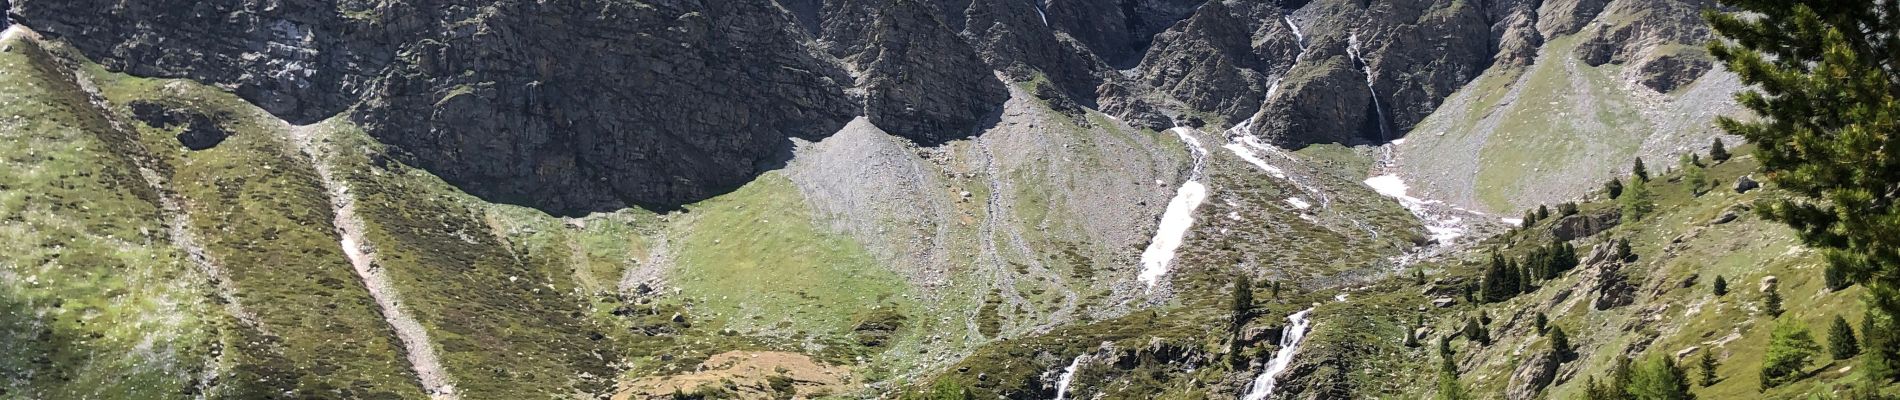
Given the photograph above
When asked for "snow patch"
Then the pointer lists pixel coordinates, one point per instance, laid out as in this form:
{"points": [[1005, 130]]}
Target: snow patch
{"points": [[1513, 221], [1298, 204], [1442, 229]]}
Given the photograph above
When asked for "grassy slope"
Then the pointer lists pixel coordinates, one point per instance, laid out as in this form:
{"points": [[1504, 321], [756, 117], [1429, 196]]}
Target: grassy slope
{"points": [[269, 220], [95, 302], [506, 326], [1664, 319]]}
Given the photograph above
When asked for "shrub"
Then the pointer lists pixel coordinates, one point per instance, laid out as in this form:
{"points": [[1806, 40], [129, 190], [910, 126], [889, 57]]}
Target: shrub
{"points": [[1660, 379]]}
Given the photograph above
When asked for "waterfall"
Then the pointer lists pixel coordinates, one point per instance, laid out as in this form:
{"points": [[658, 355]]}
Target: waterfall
{"points": [[1068, 375], [1178, 218], [1037, 4], [1290, 339], [1352, 49]]}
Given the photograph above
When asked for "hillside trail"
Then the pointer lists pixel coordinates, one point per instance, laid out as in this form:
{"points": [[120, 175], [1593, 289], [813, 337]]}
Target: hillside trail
{"points": [[362, 254]]}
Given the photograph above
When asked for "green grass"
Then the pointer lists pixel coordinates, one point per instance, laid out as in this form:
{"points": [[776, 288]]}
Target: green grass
{"points": [[754, 260], [263, 215], [506, 326], [1538, 138], [95, 302]]}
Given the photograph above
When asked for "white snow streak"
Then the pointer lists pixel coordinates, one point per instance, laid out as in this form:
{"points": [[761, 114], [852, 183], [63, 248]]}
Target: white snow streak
{"points": [[1443, 229], [1298, 204]]}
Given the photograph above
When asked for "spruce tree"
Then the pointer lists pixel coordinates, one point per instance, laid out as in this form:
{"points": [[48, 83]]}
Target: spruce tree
{"points": [[1242, 299], [1476, 333], [1708, 367], [1721, 286], [1790, 348], [1718, 152], [1449, 388], [1411, 340], [1840, 340], [1614, 188], [1543, 212], [1276, 290], [1660, 379], [1566, 209], [1620, 379], [1593, 390], [1623, 251], [1524, 280], [1418, 276], [1823, 122], [1771, 302], [1542, 323], [1637, 201], [1835, 278], [1560, 342], [1530, 218], [1639, 171], [1698, 180], [1495, 284]]}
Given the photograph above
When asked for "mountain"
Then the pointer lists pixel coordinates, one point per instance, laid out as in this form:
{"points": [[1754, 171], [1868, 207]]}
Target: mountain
{"points": [[852, 198]]}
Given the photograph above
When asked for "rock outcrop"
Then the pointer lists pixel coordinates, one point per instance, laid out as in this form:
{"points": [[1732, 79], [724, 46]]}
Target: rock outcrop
{"points": [[1532, 375]]}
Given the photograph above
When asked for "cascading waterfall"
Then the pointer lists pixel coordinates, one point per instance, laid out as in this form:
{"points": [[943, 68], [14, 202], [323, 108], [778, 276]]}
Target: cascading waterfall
{"points": [[1037, 4], [1178, 218], [1352, 50], [1297, 326], [1068, 375]]}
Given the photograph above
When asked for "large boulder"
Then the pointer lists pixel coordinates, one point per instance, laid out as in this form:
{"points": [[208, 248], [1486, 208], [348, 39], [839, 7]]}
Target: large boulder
{"points": [[1532, 375], [1585, 225]]}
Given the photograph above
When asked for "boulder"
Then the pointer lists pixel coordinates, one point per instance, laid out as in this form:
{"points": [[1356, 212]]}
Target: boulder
{"points": [[1745, 184], [1585, 225], [1611, 287], [1443, 302], [1769, 282], [1685, 353], [1726, 217], [1532, 375]]}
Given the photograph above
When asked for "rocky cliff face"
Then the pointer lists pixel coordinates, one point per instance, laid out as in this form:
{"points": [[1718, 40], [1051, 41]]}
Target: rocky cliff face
{"points": [[600, 104]]}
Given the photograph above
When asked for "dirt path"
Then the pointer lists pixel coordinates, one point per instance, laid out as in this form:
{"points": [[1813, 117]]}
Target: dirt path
{"points": [[415, 339]]}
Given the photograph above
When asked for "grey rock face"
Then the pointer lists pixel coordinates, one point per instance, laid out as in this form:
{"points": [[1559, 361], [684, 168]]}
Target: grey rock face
{"points": [[1118, 33], [1585, 225], [1532, 375], [921, 81]]}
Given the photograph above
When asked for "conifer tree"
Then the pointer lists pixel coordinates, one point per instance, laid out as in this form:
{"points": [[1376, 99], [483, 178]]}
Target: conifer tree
{"points": [[1524, 280], [1637, 201], [1542, 323], [1623, 251], [1771, 302], [1543, 212], [1530, 218], [1496, 286], [1824, 121], [1721, 286], [1614, 188], [1620, 379], [1790, 348], [1242, 299], [1835, 278], [1475, 332], [1708, 367], [1568, 208], [1661, 379], [1560, 342], [1840, 340], [1639, 171], [1593, 390], [1698, 180], [1411, 340], [1717, 152]]}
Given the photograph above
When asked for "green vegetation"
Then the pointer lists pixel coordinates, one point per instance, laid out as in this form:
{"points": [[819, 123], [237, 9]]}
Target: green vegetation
{"points": [[1841, 342], [1789, 353], [1826, 104], [94, 302], [1660, 379]]}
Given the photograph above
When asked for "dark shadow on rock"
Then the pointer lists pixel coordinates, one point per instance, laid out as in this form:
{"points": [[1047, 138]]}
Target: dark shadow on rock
{"points": [[198, 131]]}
